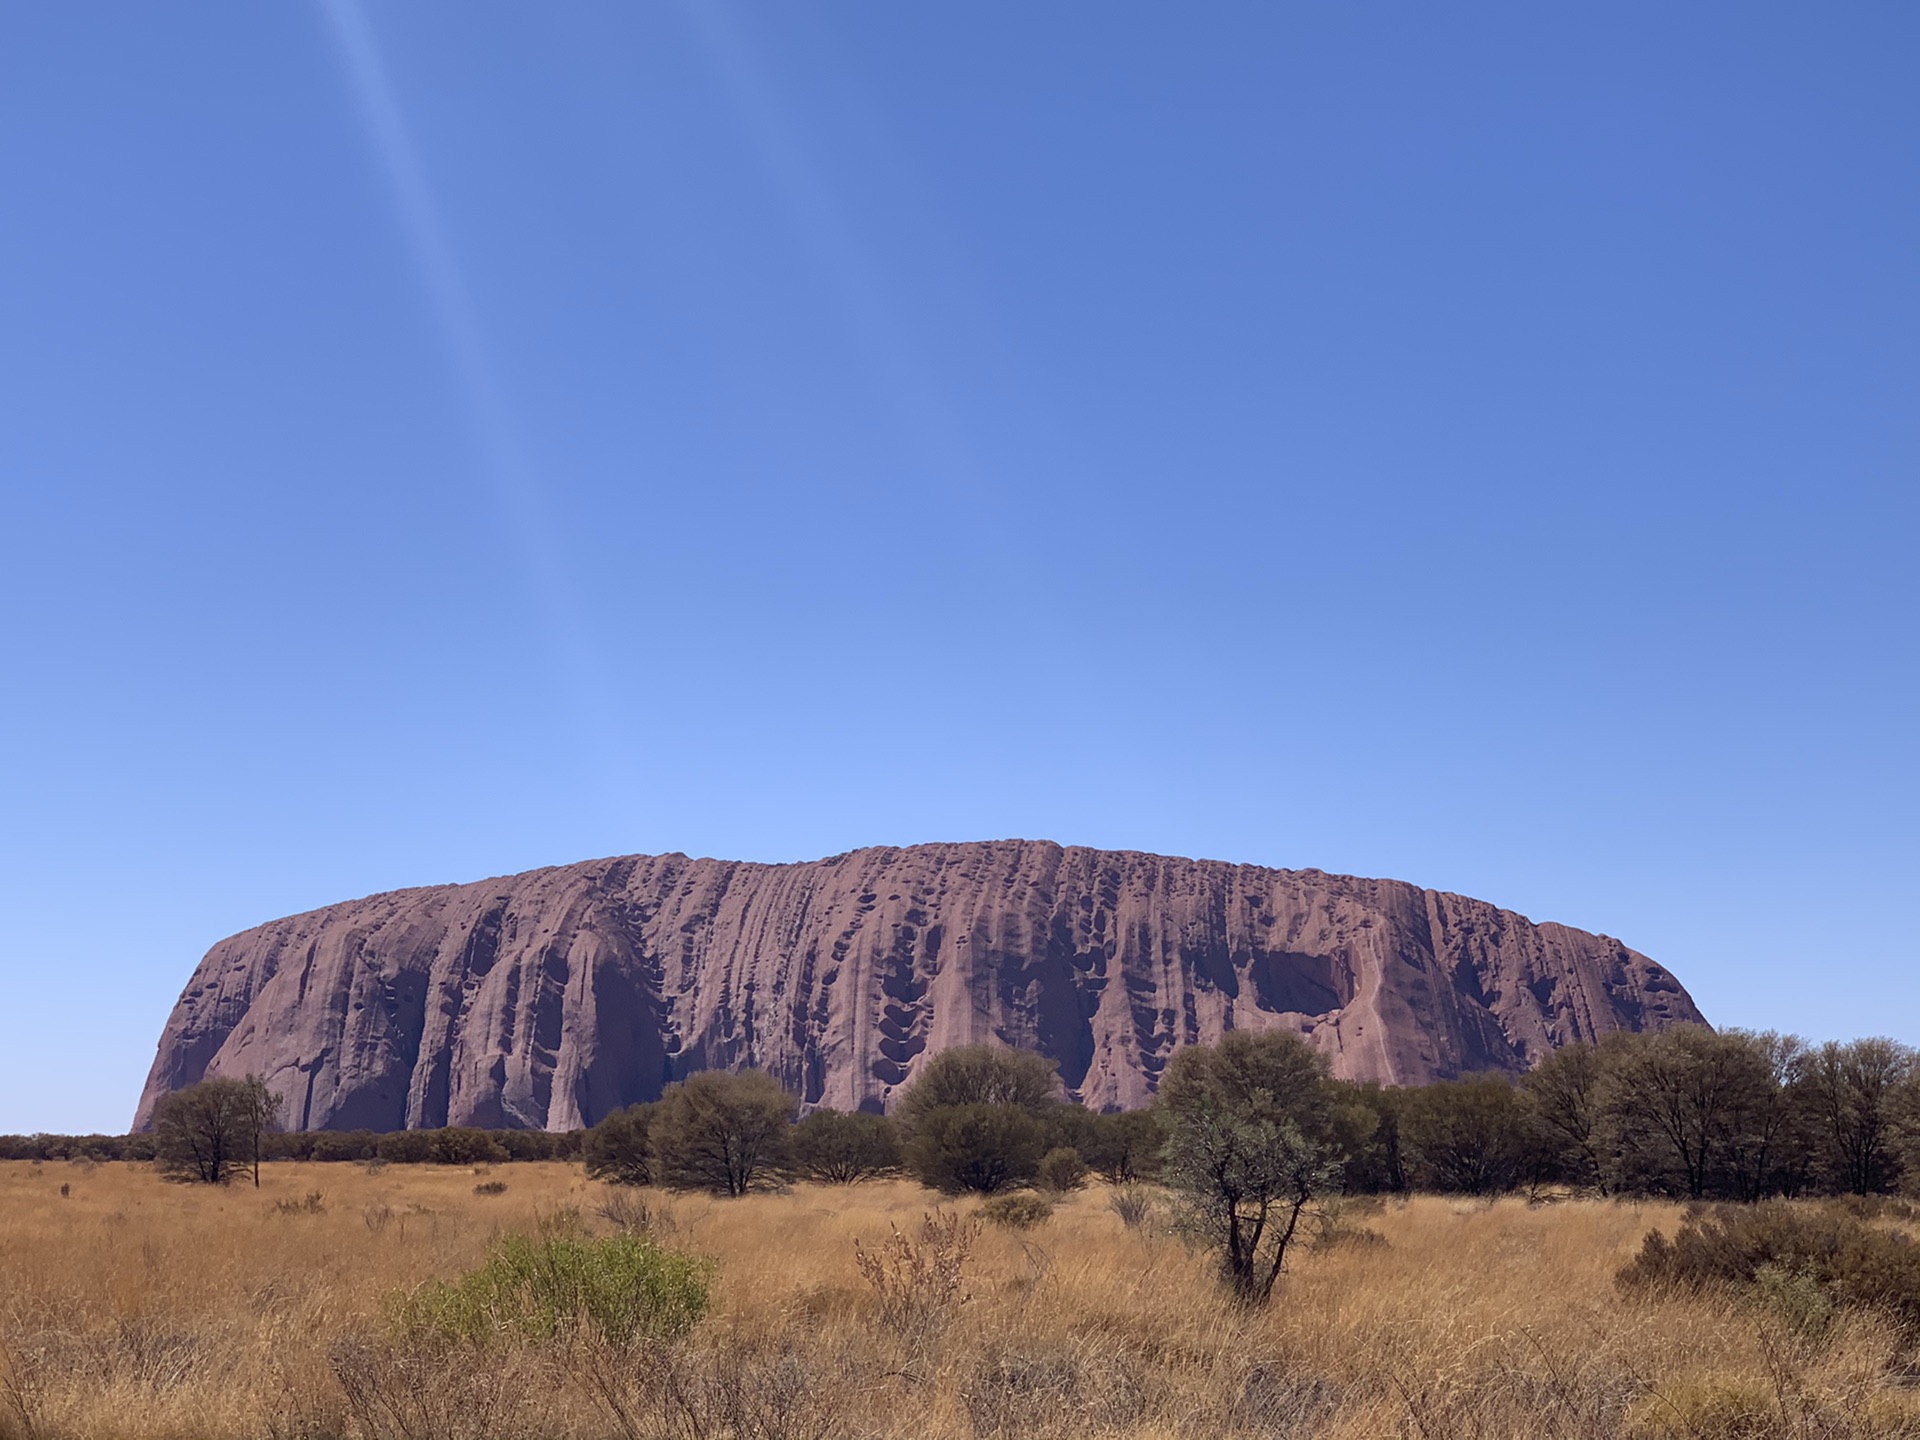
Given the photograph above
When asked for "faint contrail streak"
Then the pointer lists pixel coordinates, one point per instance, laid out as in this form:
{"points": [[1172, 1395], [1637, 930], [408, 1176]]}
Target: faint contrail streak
{"points": [[518, 502], [917, 398]]}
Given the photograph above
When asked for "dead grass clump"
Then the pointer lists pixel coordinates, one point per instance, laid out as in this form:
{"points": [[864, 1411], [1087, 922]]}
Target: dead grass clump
{"points": [[406, 1392], [1020, 1210], [727, 1388], [1025, 1388], [491, 1187], [312, 1203], [919, 1280], [629, 1213], [1579, 1395], [1335, 1225], [1279, 1401], [1722, 1407], [16, 1399], [1132, 1203], [1875, 1207]]}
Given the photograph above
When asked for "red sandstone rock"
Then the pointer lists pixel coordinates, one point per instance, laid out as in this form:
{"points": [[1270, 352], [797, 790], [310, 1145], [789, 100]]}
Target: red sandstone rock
{"points": [[551, 998]]}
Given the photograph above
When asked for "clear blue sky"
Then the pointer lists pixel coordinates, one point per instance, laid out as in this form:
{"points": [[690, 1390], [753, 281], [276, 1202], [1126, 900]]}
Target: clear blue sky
{"points": [[1471, 444]]}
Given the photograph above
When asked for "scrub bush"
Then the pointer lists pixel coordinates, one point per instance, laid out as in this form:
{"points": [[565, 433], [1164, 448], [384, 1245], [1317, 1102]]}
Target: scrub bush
{"points": [[621, 1289]]}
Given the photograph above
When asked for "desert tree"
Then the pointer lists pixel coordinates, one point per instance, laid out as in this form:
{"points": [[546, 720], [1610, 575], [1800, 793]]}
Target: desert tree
{"points": [[981, 1075], [1771, 1150], [1563, 1095], [721, 1132], [1850, 1096], [334, 1145], [1696, 1110], [979, 1118], [531, 1144], [463, 1145], [1366, 1131], [619, 1150], [1124, 1147], [838, 1148], [1469, 1135], [1249, 1148], [405, 1147], [982, 1149], [206, 1132]]}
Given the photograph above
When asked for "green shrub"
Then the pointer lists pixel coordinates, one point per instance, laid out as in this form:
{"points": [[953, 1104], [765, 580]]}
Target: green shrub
{"points": [[1021, 1210], [969, 1075], [1794, 1256], [840, 1149], [623, 1288], [335, 1145], [458, 1145], [982, 1148], [1801, 1301], [404, 1147], [1062, 1170], [529, 1144]]}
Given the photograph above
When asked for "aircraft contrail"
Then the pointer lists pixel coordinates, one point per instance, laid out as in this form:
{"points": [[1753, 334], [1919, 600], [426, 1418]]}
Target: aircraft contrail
{"points": [[918, 399], [508, 475]]}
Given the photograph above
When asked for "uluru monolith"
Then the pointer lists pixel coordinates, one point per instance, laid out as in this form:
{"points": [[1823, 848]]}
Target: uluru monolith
{"points": [[550, 999]]}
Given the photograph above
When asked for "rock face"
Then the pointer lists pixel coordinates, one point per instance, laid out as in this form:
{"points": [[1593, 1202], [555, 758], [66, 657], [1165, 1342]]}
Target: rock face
{"points": [[552, 998]]}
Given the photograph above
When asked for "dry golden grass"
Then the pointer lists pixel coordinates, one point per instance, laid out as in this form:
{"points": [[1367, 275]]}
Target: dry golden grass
{"points": [[135, 1308]]}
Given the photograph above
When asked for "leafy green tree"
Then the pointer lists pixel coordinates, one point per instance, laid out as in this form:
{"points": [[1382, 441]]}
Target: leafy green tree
{"points": [[1250, 1127], [1069, 1126], [619, 1149], [979, 1117], [206, 1132], [838, 1148], [1062, 1169], [721, 1132]]}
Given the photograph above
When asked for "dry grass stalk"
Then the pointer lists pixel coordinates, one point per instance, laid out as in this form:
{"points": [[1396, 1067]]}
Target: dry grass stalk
{"points": [[918, 1280]]}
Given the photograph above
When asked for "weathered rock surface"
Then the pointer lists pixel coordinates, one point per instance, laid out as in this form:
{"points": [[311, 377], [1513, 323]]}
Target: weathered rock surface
{"points": [[551, 998]]}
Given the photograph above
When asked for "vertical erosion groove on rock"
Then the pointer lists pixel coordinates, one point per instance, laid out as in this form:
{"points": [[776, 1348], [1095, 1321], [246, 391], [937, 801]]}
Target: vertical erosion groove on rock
{"points": [[552, 998]]}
